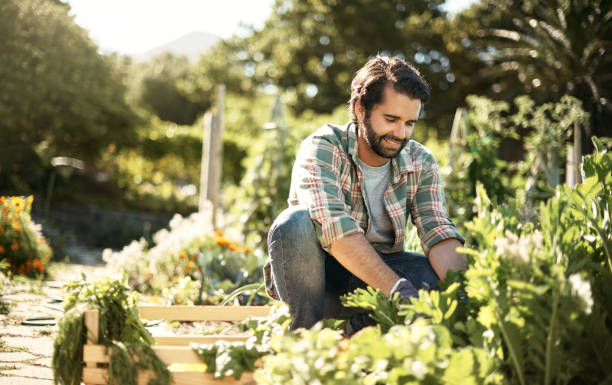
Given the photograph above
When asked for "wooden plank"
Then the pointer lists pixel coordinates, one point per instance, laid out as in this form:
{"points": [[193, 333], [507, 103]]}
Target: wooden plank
{"points": [[202, 313], [98, 376], [188, 339], [92, 322], [168, 354]]}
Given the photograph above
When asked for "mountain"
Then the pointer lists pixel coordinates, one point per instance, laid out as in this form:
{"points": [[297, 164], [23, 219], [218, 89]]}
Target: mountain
{"points": [[190, 45]]}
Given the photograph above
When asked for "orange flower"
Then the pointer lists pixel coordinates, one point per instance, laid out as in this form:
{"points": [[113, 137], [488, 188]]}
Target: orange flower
{"points": [[222, 241], [1, 249], [148, 276], [2, 199], [1, 230], [14, 245], [41, 268], [192, 256], [190, 266], [183, 255], [218, 233], [41, 240], [16, 225], [28, 265], [232, 248], [21, 269], [247, 249]]}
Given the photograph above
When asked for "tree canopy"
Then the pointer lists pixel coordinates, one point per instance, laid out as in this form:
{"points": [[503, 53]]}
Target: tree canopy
{"points": [[59, 96]]}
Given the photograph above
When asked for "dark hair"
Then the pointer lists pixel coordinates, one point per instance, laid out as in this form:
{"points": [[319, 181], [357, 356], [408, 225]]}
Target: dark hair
{"points": [[370, 81]]}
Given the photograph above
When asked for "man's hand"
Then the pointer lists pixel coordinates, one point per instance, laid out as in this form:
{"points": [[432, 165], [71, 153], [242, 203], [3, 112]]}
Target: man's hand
{"points": [[444, 256], [355, 253]]}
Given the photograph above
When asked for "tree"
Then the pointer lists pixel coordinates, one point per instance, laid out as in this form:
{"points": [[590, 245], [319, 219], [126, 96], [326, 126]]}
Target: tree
{"points": [[59, 96], [312, 49], [546, 49], [160, 86]]}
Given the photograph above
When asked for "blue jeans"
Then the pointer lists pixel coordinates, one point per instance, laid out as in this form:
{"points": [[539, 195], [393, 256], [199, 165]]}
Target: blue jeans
{"points": [[311, 281]]}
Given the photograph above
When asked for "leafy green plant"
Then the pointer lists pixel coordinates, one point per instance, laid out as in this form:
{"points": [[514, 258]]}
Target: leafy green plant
{"points": [[120, 329]]}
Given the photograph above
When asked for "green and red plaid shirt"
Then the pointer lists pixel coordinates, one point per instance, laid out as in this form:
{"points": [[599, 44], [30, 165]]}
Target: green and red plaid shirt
{"points": [[327, 180]]}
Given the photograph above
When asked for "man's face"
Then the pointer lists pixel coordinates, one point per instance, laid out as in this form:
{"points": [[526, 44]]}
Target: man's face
{"points": [[385, 131]]}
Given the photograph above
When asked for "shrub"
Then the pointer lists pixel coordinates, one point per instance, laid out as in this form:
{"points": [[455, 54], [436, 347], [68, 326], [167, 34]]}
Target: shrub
{"points": [[188, 263], [21, 242]]}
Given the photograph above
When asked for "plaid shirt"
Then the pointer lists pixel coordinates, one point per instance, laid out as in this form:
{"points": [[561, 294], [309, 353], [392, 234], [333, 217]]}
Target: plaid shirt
{"points": [[327, 180]]}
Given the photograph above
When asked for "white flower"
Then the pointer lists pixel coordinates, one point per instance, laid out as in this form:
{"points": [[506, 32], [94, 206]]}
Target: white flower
{"points": [[582, 289], [419, 369]]}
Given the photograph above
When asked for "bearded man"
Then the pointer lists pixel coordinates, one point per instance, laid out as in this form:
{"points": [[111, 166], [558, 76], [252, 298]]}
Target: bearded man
{"points": [[353, 189]]}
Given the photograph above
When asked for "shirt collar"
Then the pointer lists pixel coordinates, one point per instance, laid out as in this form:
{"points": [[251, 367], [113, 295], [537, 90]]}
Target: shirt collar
{"points": [[401, 164]]}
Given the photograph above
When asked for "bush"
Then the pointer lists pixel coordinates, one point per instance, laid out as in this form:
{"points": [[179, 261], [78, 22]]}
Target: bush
{"points": [[188, 263], [21, 242]]}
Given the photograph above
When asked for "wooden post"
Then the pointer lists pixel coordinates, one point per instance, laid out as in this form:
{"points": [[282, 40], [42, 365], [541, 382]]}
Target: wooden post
{"points": [[577, 151], [91, 319], [212, 155]]}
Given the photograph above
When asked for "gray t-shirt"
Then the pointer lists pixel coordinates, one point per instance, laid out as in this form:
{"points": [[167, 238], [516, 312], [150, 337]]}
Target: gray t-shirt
{"points": [[376, 180]]}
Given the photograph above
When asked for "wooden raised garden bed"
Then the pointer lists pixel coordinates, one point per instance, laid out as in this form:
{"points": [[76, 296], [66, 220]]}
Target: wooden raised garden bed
{"points": [[171, 349]]}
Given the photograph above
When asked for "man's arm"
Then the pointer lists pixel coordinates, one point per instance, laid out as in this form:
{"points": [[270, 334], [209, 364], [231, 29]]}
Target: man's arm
{"points": [[355, 253], [444, 256]]}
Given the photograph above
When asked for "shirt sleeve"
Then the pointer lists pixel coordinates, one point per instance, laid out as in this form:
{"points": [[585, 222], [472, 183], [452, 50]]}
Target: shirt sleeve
{"points": [[316, 180], [429, 209]]}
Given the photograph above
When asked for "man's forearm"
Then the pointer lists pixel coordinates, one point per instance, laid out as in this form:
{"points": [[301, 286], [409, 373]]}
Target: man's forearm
{"points": [[355, 253], [444, 256]]}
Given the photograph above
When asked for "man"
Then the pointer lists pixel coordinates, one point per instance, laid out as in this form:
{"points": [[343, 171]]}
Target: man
{"points": [[353, 188]]}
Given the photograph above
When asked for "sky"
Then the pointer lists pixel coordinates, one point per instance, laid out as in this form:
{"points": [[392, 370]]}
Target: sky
{"points": [[135, 26]]}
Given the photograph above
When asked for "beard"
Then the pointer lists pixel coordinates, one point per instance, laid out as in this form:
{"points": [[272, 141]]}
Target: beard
{"points": [[375, 141]]}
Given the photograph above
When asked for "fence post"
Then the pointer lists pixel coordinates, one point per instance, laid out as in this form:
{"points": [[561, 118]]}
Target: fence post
{"points": [[212, 156]]}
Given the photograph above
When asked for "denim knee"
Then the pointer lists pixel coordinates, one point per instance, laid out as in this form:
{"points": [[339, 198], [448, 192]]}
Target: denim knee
{"points": [[293, 223]]}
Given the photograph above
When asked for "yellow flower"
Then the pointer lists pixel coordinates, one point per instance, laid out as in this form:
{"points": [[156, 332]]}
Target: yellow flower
{"points": [[18, 202], [183, 255], [30, 200], [222, 241]]}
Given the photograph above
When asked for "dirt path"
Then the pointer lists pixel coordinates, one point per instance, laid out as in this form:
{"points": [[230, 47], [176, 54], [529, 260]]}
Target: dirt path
{"points": [[26, 350]]}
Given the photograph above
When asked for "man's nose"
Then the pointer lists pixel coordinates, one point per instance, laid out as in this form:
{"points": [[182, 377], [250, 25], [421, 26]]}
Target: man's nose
{"points": [[400, 130]]}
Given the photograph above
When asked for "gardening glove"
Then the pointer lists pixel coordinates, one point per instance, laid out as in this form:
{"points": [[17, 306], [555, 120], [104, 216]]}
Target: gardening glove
{"points": [[405, 288]]}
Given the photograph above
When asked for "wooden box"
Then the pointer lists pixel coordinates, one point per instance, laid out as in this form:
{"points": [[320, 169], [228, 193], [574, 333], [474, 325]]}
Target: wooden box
{"points": [[171, 349]]}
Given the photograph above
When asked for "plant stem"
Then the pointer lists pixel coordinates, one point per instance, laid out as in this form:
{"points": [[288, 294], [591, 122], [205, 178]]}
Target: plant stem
{"points": [[550, 340], [515, 359]]}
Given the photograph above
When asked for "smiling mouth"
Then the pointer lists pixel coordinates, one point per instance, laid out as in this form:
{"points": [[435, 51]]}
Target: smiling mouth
{"points": [[392, 142]]}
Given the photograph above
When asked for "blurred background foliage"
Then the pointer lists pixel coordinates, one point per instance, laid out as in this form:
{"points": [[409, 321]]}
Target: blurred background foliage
{"points": [[138, 125]]}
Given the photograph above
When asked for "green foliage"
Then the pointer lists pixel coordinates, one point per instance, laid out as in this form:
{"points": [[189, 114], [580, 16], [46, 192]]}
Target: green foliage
{"points": [[550, 125], [476, 157], [232, 359], [546, 49], [120, 328], [59, 96], [22, 245], [384, 310], [159, 86]]}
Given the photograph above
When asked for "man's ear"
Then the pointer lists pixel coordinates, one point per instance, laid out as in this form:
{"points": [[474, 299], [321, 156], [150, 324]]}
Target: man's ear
{"points": [[359, 110]]}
